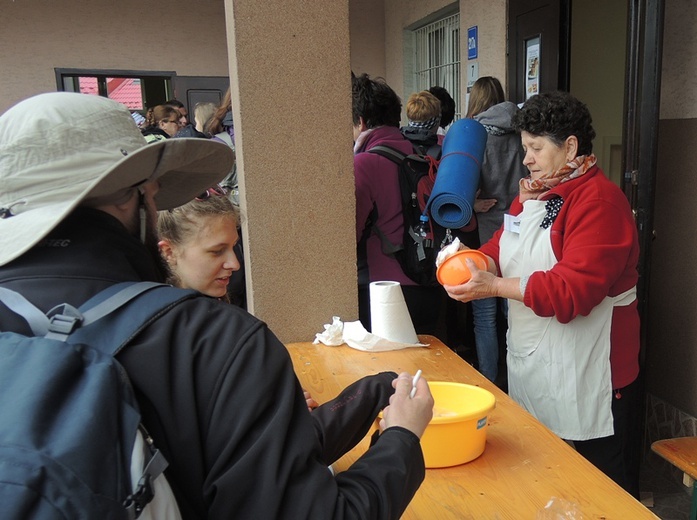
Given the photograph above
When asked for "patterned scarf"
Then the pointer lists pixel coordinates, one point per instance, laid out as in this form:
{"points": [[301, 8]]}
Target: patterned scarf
{"points": [[532, 189], [431, 124]]}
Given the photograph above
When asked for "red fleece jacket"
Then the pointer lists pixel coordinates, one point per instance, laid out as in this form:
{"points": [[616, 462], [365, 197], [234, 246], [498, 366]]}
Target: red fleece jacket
{"points": [[595, 241]]}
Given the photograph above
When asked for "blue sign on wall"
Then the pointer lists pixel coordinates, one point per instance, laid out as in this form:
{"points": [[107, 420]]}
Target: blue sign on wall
{"points": [[472, 43]]}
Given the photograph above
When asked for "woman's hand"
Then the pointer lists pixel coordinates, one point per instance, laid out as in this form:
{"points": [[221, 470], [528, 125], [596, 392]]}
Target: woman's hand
{"points": [[485, 284], [481, 285], [483, 205], [415, 413]]}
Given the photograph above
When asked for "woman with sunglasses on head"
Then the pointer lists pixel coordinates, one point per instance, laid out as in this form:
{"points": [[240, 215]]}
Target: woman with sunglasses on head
{"points": [[161, 122], [197, 242]]}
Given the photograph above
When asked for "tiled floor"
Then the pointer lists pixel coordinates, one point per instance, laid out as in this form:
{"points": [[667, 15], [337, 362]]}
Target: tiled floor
{"points": [[671, 499]]}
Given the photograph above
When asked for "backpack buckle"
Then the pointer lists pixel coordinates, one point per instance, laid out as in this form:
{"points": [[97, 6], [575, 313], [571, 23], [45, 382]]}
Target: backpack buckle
{"points": [[141, 497], [64, 319]]}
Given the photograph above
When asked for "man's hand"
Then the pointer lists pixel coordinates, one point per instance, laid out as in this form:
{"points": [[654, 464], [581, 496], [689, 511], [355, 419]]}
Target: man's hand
{"points": [[415, 413]]}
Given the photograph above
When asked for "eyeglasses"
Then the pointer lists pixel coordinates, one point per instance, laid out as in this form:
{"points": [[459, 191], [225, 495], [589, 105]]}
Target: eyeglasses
{"points": [[217, 191]]}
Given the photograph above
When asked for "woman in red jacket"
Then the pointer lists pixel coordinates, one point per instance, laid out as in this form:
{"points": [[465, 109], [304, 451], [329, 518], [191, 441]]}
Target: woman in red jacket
{"points": [[566, 259]]}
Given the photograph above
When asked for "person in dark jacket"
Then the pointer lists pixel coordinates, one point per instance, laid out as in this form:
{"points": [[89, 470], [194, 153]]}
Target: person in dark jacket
{"points": [[447, 107], [216, 388], [423, 113]]}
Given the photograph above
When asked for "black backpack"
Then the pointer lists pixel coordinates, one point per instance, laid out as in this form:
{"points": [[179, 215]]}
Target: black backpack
{"points": [[423, 237], [71, 443]]}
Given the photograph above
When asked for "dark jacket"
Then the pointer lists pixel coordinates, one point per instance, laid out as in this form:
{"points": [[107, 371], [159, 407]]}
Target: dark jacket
{"points": [[218, 394], [424, 141], [190, 131]]}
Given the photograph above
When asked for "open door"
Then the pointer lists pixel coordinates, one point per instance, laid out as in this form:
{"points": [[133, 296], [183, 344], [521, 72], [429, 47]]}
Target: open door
{"points": [[539, 59], [538, 40]]}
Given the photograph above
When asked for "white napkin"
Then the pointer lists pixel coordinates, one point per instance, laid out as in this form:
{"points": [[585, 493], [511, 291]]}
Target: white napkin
{"points": [[333, 334], [355, 336], [452, 248]]}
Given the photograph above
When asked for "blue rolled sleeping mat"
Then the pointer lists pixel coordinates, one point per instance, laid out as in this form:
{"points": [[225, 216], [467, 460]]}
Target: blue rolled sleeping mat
{"points": [[452, 198]]}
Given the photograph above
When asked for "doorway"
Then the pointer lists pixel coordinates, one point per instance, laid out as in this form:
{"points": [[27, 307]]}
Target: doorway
{"points": [[554, 48], [538, 36], [192, 90], [608, 54]]}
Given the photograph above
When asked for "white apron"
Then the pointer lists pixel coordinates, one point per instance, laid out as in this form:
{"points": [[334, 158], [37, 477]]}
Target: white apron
{"points": [[560, 373]]}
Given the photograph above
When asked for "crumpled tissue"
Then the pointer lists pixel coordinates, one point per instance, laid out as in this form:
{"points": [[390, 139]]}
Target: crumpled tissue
{"points": [[355, 336], [452, 248], [333, 334]]}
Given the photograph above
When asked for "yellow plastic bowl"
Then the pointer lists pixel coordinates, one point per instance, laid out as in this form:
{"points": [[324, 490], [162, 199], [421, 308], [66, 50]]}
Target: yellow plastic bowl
{"points": [[457, 432]]}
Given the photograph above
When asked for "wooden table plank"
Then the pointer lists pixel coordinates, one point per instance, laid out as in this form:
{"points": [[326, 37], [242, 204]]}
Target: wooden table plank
{"points": [[523, 466]]}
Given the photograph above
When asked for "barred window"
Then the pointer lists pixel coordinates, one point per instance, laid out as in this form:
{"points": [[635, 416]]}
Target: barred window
{"points": [[437, 57]]}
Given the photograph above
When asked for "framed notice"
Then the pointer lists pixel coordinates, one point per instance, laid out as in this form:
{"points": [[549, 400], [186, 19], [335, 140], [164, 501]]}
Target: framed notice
{"points": [[532, 66]]}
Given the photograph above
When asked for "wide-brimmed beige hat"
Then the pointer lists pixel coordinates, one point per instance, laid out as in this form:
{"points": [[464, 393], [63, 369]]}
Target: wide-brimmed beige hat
{"points": [[60, 149]]}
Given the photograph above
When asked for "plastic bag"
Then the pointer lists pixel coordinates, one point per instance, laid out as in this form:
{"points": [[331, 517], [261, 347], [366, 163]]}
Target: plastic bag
{"points": [[560, 509]]}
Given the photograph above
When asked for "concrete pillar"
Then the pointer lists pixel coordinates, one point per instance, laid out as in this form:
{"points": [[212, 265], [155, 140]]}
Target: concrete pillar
{"points": [[291, 91]]}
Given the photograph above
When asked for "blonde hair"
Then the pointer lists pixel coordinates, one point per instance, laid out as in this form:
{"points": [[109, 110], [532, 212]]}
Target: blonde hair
{"points": [[202, 113], [423, 106], [486, 92], [214, 125], [179, 225]]}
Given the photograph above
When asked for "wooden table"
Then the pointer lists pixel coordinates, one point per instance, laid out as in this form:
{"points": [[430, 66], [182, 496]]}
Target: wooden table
{"points": [[523, 466]]}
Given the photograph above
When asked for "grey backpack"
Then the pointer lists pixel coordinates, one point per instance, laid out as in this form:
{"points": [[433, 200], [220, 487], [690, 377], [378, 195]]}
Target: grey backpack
{"points": [[71, 442]]}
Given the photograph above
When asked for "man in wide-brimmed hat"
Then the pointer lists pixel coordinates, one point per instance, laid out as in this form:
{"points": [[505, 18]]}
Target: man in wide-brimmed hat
{"points": [[79, 188]]}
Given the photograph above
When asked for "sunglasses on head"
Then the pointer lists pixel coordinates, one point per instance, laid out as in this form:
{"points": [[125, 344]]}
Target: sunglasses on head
{"points": [[217, 191]]}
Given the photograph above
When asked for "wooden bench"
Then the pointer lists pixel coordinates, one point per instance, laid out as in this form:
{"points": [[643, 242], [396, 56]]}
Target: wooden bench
{"points": [[681, 452]]}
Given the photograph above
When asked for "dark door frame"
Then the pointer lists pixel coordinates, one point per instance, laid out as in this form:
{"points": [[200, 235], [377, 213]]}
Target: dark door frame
{"points": [[640, 133]]}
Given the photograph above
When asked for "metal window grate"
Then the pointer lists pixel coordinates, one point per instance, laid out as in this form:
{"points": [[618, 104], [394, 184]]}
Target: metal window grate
{"points": [[437, 57]]}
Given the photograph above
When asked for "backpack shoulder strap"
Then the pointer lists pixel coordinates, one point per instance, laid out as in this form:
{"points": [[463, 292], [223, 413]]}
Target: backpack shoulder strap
{"points": [[117, 314], [97, 321], [389, 153], [37, 320]]}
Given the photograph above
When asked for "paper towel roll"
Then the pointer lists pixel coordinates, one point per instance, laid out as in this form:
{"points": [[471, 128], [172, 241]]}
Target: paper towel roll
{"points": [[389, 315]]}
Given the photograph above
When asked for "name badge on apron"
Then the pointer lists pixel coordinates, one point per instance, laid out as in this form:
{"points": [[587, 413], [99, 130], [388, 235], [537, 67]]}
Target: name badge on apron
{"points": [[511, 223]]}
